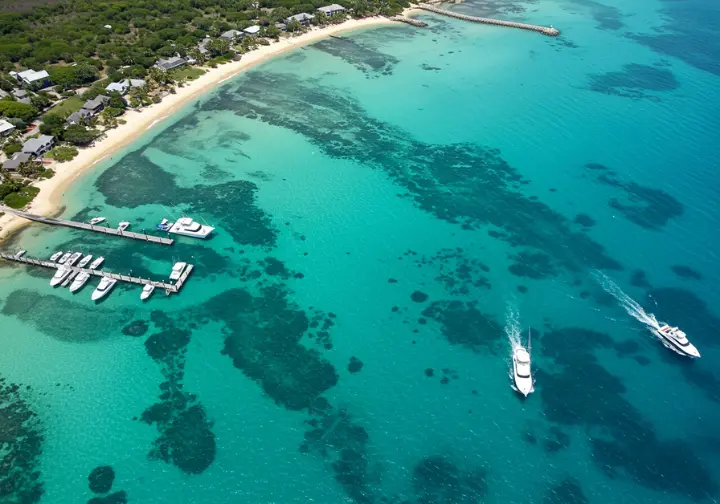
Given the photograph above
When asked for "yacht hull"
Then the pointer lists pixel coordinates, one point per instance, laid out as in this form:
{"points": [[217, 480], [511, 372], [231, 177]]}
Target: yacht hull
{"points": [[687, 351]]}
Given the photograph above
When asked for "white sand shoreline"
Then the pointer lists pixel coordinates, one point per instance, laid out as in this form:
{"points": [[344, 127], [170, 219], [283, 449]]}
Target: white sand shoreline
{"points": [[49, 200]]}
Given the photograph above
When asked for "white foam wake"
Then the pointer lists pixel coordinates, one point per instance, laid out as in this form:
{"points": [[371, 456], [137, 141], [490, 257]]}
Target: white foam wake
{"points": [[631, 306], [512, 328]]}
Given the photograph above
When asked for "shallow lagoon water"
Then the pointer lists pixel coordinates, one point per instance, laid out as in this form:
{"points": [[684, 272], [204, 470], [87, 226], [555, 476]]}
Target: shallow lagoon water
{"points": [[389, 198]]}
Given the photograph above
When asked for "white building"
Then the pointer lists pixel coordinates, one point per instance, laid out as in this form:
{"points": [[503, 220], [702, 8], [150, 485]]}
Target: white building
{"points": [[30, 77], [303, 18], [331, 10], [252, 30], [121, 87], [5, 127]]}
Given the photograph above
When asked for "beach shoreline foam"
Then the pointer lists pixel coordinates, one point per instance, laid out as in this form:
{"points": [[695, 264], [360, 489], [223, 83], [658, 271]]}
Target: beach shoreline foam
{"points": [[49, 201]]}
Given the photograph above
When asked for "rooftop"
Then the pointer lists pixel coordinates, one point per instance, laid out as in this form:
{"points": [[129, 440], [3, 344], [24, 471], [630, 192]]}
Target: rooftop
{"points": [[252, 30], [331, 8], [33, 76]]}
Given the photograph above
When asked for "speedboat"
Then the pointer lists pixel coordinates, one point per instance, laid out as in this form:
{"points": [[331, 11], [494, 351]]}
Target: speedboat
{"points": [[188, 227], [65, 257], [59, 277], [164, 225], [147, 291], [103, 288], [177, 270], [96, 263], [73, 259], [96, 220], [521, 370], [20, 253], [676, 340], [123, 226], [79, 281], [56, 256], [84, 262]]}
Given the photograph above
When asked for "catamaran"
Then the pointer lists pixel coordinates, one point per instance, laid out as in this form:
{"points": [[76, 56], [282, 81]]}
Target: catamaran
{"points": [[521, 369], [186, 227], [177, 270], [147, 291], [103, 288], [56, 256], [676, 340]]}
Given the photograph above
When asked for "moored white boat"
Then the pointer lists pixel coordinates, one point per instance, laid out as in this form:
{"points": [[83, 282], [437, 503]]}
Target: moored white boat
{"points": [[20, 253], [177, 270], [123, 226], [147, 291], [59, 277], [521, 370], [84, 262], [79, 281], [676, 340], [188, 227], [96, 220], [73, 259], [96, 263], [103, 289], [56, 256], [63, 259]]}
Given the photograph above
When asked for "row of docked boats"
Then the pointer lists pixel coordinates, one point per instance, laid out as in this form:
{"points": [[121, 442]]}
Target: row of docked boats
{"points": [[183, 226], [67, 276]]}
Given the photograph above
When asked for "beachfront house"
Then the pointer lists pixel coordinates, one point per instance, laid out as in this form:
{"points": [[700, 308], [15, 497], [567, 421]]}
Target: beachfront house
{"points": [[22, 96], [79, 117], [281, 26], [331, 10], [252, 30], [303, 18], [96, 105], [38, 146], [170, 63], [232, 35], [125, 85], [32, 78], [5, 127], [18, 160]]}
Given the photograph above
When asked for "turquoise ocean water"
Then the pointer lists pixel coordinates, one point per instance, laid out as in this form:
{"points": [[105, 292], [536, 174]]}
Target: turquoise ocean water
{"points": [[389, 205]]}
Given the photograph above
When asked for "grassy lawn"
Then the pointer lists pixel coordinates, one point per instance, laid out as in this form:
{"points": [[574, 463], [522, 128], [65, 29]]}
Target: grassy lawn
{"points": [[67, 106], [21, 198], [188, 73]]}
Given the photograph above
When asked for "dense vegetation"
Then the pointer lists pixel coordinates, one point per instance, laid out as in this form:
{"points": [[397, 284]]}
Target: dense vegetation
{"points": [[73, 31]]}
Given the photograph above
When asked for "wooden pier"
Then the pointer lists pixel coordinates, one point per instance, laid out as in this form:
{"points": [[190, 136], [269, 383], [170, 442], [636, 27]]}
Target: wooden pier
{"points": [[169, 288], [545, 30], [88, 227]]}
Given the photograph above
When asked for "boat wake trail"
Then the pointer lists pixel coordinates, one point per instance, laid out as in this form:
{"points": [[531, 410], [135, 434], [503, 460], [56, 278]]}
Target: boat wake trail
{"points": [[631, 306], [512, 328]]}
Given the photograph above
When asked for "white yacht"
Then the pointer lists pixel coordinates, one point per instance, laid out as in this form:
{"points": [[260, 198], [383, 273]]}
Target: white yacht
{"points": [[64, 257], [123, 226], [84, 262], [56, 256], [103, 288], [676, 339], [177, 270], [73, 259], [188, 227], [96, 220], [147, 291], [59, 277], [522, 375], [79, 281], [96, 263], [20, 253], [69, 278]]}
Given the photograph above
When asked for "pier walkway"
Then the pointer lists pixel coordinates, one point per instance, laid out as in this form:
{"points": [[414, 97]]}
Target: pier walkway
{"points": [[410, 21], [88, 227], [545, 30], [169, 288]]}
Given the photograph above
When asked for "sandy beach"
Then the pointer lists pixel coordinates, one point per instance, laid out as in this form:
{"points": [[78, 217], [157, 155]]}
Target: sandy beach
{"points": [[49, 200]]}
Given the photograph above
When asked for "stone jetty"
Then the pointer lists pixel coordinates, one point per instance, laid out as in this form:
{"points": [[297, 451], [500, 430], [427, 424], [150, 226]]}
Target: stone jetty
{"points": [[545, 30]]}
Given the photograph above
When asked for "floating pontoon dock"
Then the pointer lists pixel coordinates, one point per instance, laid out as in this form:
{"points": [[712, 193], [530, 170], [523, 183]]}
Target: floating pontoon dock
{"points": [[88, 227], [168, 287]]}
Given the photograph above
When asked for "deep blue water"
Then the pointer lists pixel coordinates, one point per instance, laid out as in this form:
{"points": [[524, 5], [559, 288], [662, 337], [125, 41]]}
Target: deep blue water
{"points": [[390, 205]]}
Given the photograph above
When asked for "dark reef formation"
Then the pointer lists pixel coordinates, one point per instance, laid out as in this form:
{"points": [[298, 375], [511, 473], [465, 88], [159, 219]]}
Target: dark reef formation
{"points": [[101, 479], [438, 480], [461, 323]]}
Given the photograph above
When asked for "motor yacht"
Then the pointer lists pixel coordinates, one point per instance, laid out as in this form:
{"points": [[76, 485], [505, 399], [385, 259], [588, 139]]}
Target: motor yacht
{"points": [[123, 226], [676, 340], [96, 220], [63, 259], [79, 281], [103, 288], [188, 227], [521, 370], [60, 276], [73, 259], [96, 263], [56, 256], [147, 291], [84, 262], [69, 278], [177, 270]]}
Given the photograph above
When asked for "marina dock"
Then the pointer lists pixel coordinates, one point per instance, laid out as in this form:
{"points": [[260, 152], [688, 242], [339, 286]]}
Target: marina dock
{"points": [[545, 30], [88, 227], [169, 288]]}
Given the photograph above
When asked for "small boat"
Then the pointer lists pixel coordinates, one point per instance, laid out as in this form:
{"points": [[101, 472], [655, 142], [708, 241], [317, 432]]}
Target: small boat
{"points": [[103, 288], [69, 278], [177, 270], [521, 369], [676, 339], [123, 226], [96, 263], [56, 256], [73, 259], [188, 227], [164, 225], [147, 291], [84, 262], [64, 257], [20, 253], [59, 277], [96, 220], [79, 281]]}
